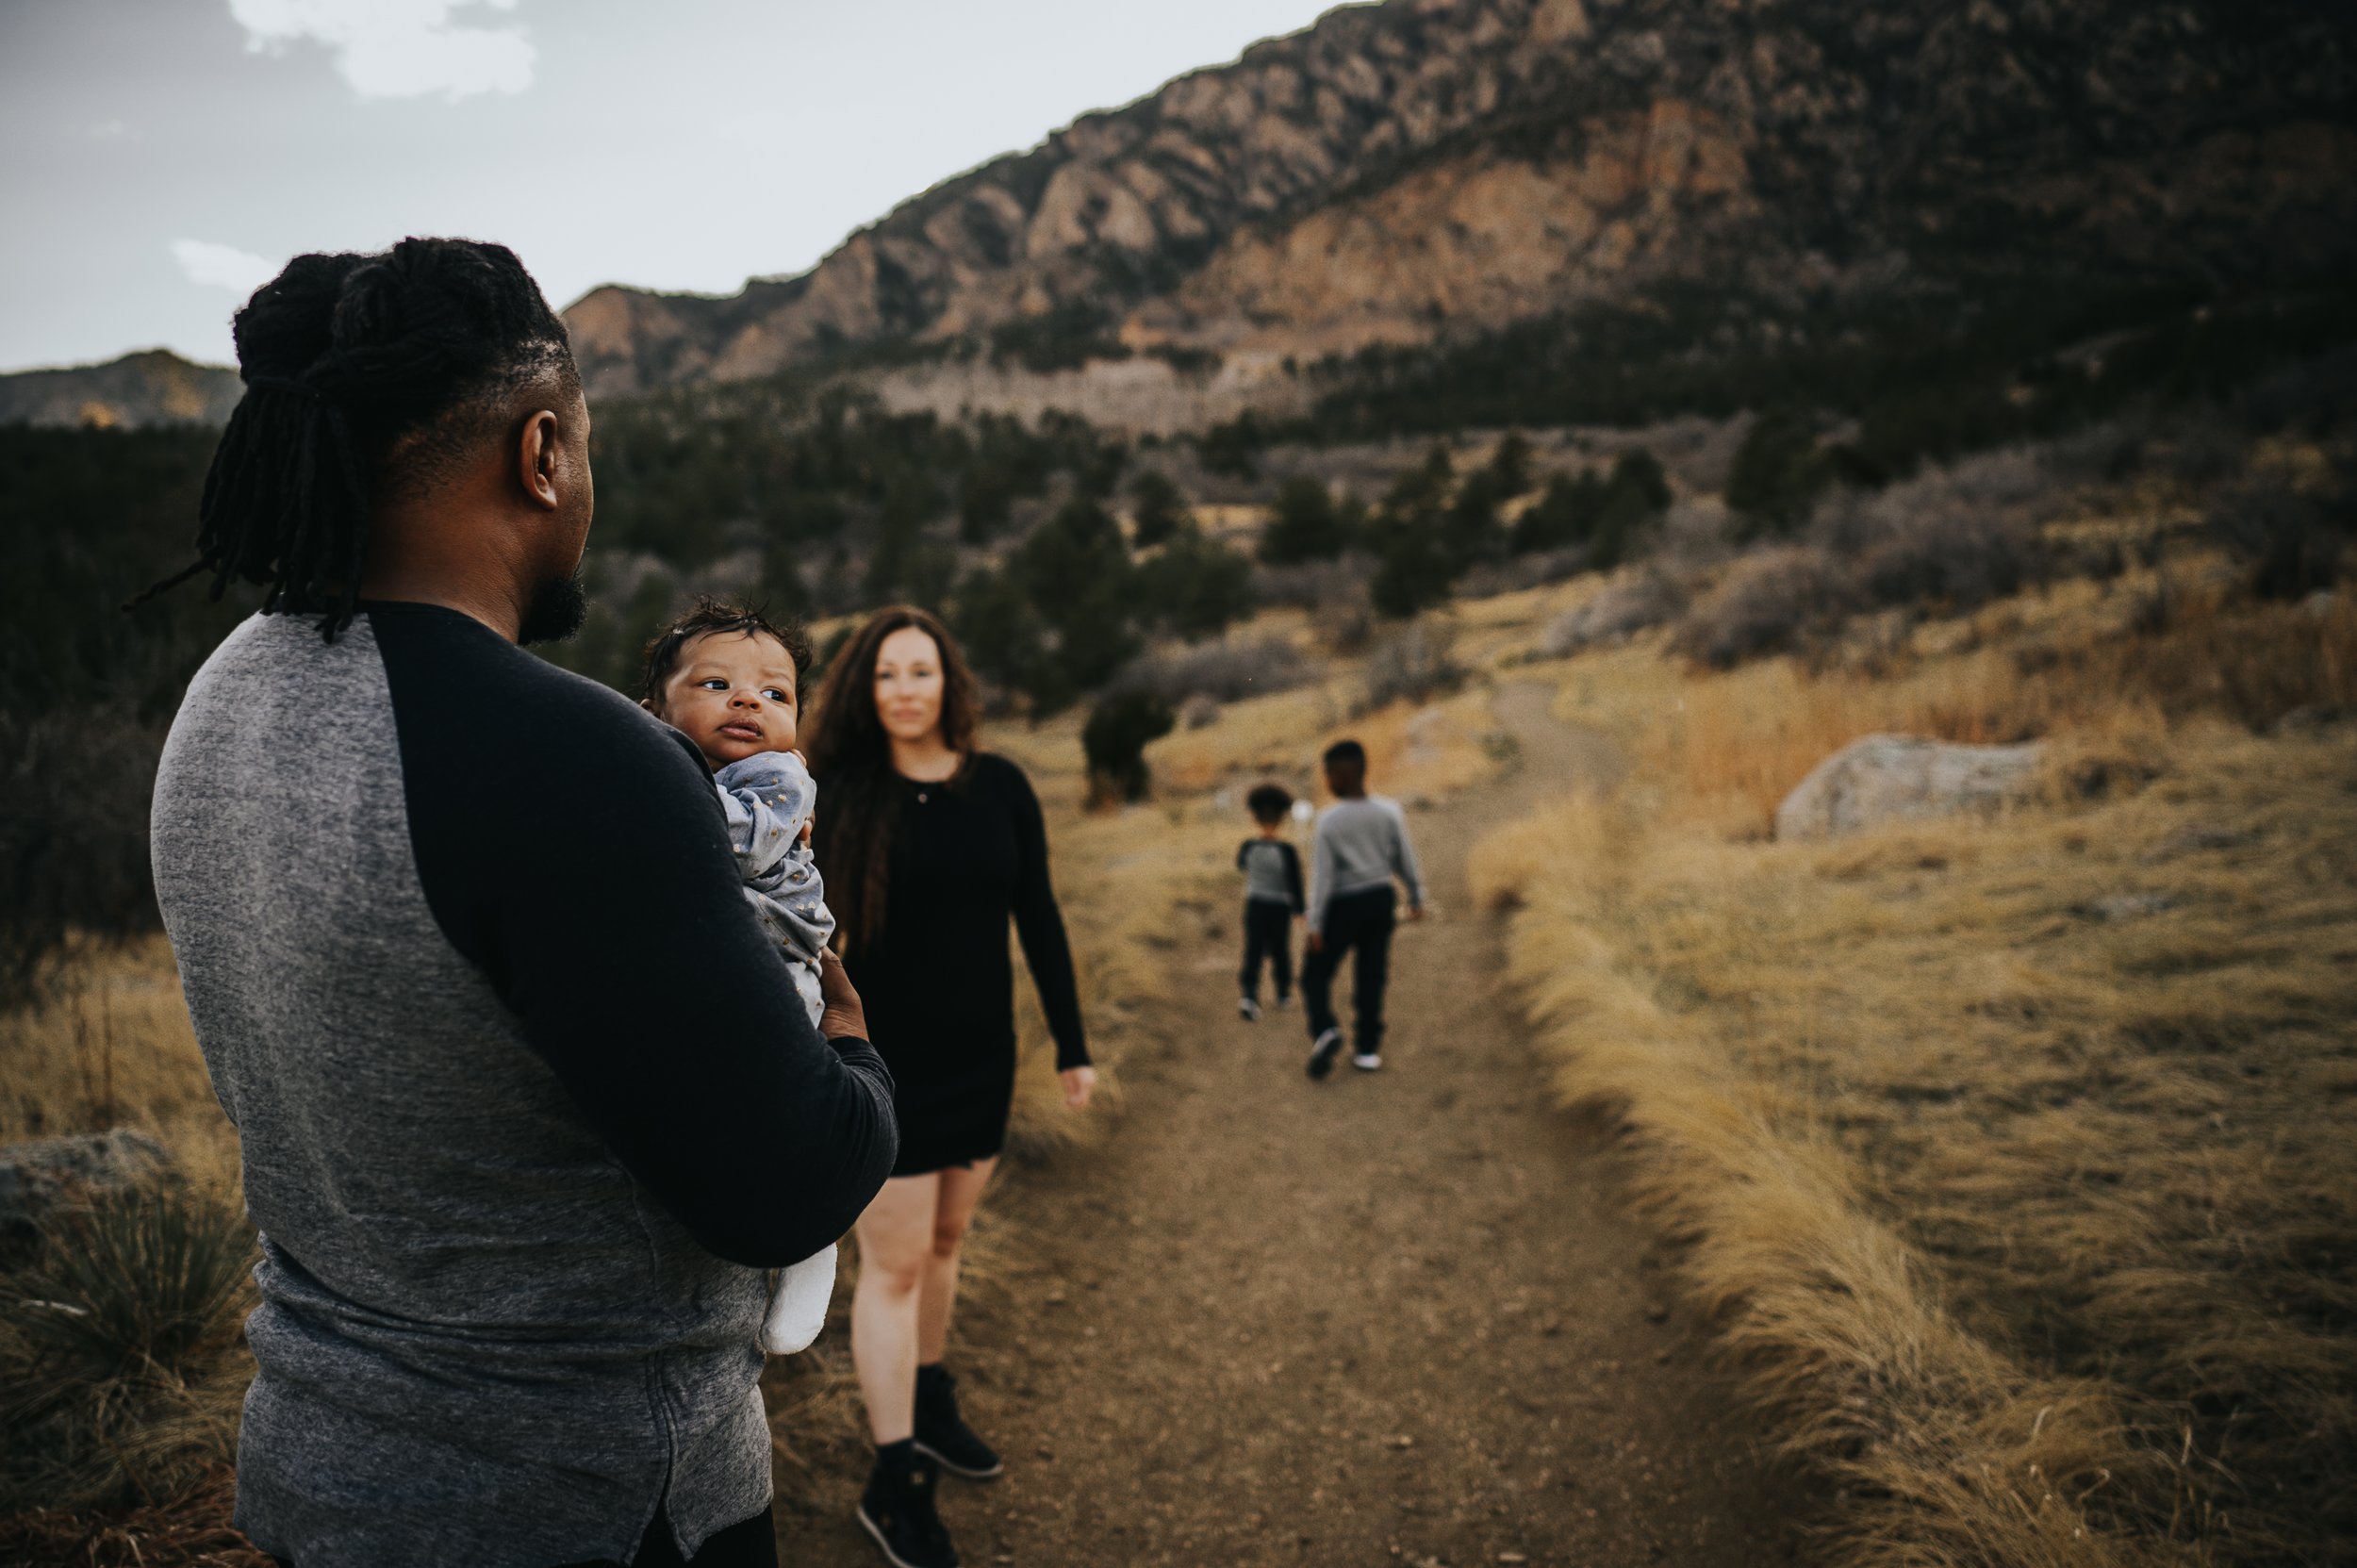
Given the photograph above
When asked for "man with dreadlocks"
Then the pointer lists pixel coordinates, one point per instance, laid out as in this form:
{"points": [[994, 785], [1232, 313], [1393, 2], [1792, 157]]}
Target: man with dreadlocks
{"points": [[521, 1127]]}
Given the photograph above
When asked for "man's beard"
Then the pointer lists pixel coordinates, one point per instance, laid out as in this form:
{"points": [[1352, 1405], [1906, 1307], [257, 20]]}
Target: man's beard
{"points": [[558, 608]]}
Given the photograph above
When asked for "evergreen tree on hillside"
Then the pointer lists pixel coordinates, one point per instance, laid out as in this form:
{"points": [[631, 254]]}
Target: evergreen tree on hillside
{"points": [[1195, 587], [1076, 572], [1158, 508], [1778, 473], [993, 620], [1565, 514], [1636, 493], [1305, 525], [1415, 567]]}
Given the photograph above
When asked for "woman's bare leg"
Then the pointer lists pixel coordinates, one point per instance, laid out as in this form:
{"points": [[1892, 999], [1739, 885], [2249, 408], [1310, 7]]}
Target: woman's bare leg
{"points": [[894, 1246], [961, 1190]]}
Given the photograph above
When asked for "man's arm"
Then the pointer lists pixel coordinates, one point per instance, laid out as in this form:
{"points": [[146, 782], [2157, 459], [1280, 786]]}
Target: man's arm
{"points": [[616, 931]]}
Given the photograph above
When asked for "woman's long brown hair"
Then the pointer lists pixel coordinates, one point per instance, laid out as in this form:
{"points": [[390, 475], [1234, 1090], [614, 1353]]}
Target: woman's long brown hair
{"points": [[851, 755]]}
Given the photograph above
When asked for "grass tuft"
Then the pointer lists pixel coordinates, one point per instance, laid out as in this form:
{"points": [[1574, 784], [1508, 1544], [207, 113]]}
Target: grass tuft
{"points": [[118, 1349]]}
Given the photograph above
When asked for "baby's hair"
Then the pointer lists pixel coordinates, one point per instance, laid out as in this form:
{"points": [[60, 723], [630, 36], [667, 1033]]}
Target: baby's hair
{"points": [[1346, 753], [1269, 802], [708, 617]]}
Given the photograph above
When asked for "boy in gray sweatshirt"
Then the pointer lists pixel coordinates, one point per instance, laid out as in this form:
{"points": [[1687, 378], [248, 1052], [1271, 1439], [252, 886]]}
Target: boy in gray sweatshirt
{"points": [[1361, 845]]}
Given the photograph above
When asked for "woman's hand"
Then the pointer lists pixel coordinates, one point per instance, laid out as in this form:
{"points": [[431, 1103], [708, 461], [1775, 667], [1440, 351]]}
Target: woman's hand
{"points": [[841, 1012], [1079, 1083]]}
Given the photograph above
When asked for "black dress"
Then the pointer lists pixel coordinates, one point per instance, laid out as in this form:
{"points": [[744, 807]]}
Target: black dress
{"points": [[938, 982]]}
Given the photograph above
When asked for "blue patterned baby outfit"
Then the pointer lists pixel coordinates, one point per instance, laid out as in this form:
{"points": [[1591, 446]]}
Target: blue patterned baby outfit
{"points": [[767, 799]]}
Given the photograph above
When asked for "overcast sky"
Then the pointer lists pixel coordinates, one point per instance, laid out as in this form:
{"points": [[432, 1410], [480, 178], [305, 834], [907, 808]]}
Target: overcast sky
{"points": [[160, 157]]}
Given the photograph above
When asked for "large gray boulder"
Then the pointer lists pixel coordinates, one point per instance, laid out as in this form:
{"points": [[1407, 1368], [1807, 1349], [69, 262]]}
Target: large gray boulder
{"points": [[42, 1176], [1882, 779]]}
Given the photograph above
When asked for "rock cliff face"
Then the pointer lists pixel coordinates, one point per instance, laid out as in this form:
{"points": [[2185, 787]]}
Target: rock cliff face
{"points": [[1417, 167], [156, 386]]}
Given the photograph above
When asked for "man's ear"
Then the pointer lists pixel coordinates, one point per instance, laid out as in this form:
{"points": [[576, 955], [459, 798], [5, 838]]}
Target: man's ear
{"points": [[538, 458]]}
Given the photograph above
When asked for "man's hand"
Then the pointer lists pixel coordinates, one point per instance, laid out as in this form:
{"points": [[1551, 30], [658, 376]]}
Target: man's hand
{"points": [[841, 1013], [1079, 1083]]}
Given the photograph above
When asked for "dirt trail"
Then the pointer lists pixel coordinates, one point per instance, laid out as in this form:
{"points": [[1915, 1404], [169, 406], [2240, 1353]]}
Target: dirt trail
{"points": [[1392, 1317]]}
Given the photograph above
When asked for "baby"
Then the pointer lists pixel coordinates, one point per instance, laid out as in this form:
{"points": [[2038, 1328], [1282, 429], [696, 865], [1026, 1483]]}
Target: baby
{"points": [[727, 679]]}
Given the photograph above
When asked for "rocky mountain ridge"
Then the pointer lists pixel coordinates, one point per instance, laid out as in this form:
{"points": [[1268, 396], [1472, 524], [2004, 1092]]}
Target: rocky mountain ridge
{"points": [[1409, 170], [152, 387]]}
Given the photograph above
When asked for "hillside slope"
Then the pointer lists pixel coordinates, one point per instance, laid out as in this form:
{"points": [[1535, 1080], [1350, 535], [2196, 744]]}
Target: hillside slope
{"points": [[153, 387], [1411, 169]]}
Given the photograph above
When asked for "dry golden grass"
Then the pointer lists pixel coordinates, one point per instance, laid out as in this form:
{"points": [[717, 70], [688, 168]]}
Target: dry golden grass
{"points": [[112, 1046], [2013, 1156], [2108, 664]]}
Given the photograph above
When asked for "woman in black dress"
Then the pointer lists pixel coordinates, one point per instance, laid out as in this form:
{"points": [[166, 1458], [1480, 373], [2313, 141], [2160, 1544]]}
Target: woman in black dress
{"points": [[927, 847]]}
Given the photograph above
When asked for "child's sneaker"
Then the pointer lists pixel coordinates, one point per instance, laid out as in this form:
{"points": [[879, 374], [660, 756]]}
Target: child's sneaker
{"points": [[1367, 1061], [1329, 1045], [1248, 1010]]}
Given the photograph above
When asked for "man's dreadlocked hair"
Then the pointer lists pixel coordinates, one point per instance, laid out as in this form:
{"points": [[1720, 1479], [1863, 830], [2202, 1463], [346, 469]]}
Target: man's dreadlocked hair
{"points": [[361, 373]]}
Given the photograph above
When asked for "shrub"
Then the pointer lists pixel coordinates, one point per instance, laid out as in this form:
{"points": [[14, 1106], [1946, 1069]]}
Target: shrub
{"points": [[1226, 672], [1414, 572], [1768, 603], [1636, 493], [1195, 587], [1313, 584], [73, 800], [1417, 664], [1158, 510], [1305, 526], [1954, 538], [1115, 741], [993, 621], [1564, 516], [1074, 571], [2291, 545], [1957, 558], [106, 1338], [1233, 449], [1643, 600], [1779, 472]]}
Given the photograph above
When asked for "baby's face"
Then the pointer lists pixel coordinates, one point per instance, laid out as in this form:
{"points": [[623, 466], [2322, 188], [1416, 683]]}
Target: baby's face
{"points": [[734, 696]]}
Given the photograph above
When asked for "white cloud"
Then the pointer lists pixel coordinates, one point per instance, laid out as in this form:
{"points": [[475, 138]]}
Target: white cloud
{"points": [[223, 266], [397, 48]]}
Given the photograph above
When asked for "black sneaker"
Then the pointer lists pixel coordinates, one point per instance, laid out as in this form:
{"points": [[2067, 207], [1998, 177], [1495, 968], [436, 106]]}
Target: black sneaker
{"points": [[1329, 1045], [898, 1511], [943, 1434]]}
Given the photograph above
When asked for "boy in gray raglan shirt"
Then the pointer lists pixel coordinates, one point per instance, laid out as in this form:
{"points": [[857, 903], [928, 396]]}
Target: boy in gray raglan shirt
{"points": [[1361, 845]]}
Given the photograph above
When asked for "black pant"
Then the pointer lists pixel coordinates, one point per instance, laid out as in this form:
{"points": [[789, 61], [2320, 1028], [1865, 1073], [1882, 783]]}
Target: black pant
{"points": [[1360, 922], [748, 1543], [1268, 932]]}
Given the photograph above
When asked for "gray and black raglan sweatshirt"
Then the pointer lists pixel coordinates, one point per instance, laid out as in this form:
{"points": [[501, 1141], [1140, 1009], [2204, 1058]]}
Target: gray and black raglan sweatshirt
{"points": [[526, 1098]]}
